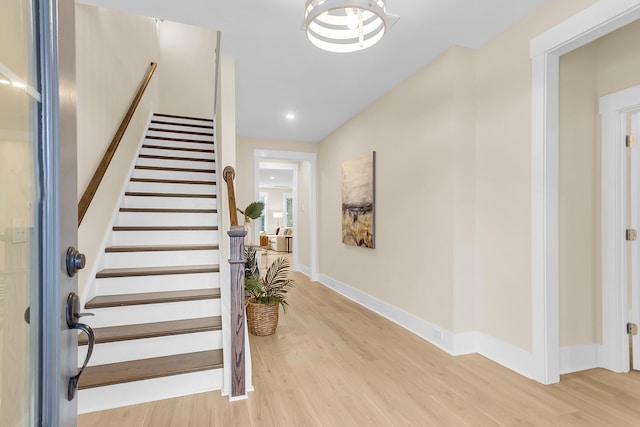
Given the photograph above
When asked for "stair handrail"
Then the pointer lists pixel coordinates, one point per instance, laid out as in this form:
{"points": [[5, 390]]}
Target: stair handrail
{"points": [[96, 179], [236, 264]]}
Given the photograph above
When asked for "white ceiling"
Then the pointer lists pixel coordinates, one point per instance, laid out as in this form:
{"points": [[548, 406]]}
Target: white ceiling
{"points": [[275, 178], [279, 71]]}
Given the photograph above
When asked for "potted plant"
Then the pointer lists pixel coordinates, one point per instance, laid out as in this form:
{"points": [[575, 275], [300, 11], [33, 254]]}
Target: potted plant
{"points": [[266, 295], [252, 211]]}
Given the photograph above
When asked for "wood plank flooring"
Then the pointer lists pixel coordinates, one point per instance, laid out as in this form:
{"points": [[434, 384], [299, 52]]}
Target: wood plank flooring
{"points": [[333, 363]]}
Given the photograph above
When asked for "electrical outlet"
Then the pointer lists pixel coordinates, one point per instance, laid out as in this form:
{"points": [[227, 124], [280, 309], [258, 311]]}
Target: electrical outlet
{"points": [[18, 230], [437, 335]]}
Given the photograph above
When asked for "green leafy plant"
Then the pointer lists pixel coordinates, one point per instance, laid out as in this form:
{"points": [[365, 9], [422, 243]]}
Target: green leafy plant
{"points": [[251, 263], [253, 211], [273, 287]]}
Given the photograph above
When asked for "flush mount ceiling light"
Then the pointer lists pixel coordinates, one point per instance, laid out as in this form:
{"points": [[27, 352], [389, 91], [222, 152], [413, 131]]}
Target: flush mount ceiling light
{"points": [[345, 25]]}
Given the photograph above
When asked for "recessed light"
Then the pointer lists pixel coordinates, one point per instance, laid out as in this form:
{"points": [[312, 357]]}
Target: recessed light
{"points": [[273, 177], [290, 116], [5, 82]]}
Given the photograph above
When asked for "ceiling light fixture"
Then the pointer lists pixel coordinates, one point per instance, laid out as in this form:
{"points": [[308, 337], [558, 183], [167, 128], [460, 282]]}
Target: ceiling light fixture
{"points": [[290, 116], [345, 25]]}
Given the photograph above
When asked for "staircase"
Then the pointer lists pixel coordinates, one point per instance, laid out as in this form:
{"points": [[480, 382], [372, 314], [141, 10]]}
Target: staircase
{"points": [[157, 305]]}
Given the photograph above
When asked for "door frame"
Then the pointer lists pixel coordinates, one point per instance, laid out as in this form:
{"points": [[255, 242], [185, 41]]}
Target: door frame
{"points": [[592, 23], [298, 156], [614, 352]]}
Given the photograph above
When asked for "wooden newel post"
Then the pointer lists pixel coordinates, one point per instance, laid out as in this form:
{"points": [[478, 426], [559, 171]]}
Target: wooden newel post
{"points": [[236, 262]]}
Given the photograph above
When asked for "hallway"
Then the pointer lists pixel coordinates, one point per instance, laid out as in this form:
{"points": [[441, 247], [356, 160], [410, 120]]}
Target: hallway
{"points": [[333, 363]]}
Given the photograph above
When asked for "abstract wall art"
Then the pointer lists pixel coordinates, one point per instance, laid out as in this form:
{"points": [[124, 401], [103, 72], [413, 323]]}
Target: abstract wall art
{"points": [[358, 201]]}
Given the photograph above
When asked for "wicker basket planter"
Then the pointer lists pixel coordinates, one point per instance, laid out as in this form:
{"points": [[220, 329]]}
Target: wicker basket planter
{"points": [[262, 318]]}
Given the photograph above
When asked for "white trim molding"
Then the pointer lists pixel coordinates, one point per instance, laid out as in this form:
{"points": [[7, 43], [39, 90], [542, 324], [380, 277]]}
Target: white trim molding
{"points": [[505, 354], [615, 344], [601, 18], [579, 358]]}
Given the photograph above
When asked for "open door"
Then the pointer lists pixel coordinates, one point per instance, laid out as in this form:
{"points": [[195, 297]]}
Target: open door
{"points": [[38, 212], [634, 283]]}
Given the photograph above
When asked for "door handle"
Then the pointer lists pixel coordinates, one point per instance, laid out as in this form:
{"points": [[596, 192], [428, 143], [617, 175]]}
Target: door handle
{"points": [[73, 308]]}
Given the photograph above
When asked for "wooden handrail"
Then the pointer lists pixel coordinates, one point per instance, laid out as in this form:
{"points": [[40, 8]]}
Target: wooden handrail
{"points": [[236, 263], [229, 173], [96, 179]]}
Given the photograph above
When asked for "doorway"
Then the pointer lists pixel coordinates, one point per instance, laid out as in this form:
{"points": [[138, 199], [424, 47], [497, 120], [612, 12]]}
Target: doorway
{"points": [[304, 218], [620, 216]]}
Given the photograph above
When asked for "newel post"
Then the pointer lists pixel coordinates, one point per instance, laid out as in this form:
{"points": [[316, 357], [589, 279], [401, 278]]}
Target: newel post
{"points": [[236, 263]]}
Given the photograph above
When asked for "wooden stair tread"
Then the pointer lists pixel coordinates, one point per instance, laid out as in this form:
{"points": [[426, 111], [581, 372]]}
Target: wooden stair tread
{"points": [[168, 210], [173, 181], [189, 159], [149, 194], [156, 271], [172, 169], [137, 370], [166, 138], [165, 228], [105, 301], [160, 248], [193, 150], [152, 330], [182, 117], [161, 122], [184, 132]]}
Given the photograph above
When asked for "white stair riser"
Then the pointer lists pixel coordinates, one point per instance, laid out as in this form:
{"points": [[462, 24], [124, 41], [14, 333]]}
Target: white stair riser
{"points": [[178, 153], [150, 313], [161, 187], [122, 351], [180, 144], [183, 120], [117, 395], [162, 174], [168, 163], [135, 238], [160, 259], [177, 135], [193, 125], [166, 218], [142, 284], [169, 202]]}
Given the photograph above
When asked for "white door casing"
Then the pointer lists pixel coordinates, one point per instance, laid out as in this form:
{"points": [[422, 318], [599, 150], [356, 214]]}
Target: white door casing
{"points": [[592, 23], [634, 312], [614, 108]]}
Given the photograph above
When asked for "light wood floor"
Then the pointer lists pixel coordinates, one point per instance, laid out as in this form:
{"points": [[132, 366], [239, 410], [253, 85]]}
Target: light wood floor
{"points": [[333, 363]]}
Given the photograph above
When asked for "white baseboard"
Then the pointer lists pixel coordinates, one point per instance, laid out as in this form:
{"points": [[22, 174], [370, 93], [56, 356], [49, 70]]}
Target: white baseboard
{"points": [[304, 269], [579, 358], [503, 353], [437, 336]]}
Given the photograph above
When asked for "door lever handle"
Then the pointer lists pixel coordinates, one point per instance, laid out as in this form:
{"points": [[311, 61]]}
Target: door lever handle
{"points": [[73, 308], [72, 386]]}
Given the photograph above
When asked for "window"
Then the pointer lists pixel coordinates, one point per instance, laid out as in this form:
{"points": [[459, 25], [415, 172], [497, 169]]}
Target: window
{"points": [[287, 202], [262, 221]]}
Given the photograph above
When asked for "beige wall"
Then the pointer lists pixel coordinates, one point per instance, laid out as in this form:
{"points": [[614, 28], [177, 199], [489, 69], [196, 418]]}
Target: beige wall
{"points": [[187, 61], [453, 248], [415, 132], [503, 174], [114, 50], [607, 65]]}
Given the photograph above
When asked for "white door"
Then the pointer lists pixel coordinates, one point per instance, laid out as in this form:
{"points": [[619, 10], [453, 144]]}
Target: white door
{"points": [[38, 211], [634, 250]]}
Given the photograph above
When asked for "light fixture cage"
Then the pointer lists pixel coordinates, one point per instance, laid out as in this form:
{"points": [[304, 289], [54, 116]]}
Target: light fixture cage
{"points": [[345, 25]]}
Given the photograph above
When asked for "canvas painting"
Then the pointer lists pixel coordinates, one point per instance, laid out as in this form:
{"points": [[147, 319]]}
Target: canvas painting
{"points": [[358, 201]]}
